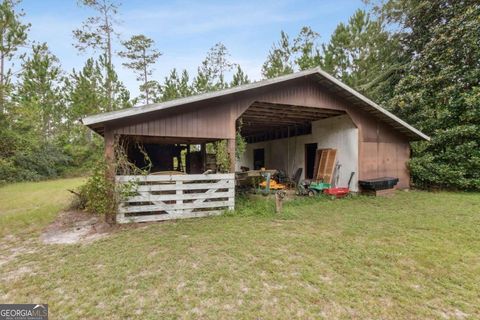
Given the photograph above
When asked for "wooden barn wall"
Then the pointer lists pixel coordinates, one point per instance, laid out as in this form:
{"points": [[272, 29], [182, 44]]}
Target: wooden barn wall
{"points": [[383, 151], [198, 121]]}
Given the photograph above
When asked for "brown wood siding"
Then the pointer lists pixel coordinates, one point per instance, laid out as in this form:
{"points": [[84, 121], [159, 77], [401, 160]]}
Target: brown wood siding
{"points": [[383, 150], [212, 122]]}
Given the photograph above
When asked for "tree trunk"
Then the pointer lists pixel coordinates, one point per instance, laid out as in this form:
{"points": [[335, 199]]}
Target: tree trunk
{"points": [[145, 75], [2, 75], [2, 84], [109, 61]]}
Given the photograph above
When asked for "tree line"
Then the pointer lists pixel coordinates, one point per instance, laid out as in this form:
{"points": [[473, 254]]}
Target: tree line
{"points": [[417, 58], [420, 59], [40, 103]]}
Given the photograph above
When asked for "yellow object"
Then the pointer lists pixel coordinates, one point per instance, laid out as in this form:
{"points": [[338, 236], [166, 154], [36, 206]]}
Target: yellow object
{"points": [[273, 185]]}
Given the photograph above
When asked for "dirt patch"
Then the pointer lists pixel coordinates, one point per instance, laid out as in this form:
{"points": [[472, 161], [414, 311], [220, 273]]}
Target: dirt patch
{"points": [[17, 273], [72, 227], [454, 314], [10, 248]]}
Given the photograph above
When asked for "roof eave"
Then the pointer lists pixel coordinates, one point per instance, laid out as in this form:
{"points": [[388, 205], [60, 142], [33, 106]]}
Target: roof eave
{"points": [[97, 120], [114, 115], [373, 104]]}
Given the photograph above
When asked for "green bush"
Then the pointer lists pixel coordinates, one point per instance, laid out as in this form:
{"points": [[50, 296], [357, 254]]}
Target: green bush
{"points": [[9, 172], [100, 195], [84, 156], [33, 163], [451, 160], [96, 194]]}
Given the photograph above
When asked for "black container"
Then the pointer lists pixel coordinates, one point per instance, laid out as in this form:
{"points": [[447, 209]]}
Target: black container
{"points": [[382, 183]]}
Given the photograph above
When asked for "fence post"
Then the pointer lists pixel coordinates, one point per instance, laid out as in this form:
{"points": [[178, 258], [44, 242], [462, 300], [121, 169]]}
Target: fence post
{"points": [[179, 192]]}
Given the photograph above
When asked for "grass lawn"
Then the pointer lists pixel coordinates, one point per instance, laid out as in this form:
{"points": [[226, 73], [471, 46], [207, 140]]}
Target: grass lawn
{"points": [[26, 207], [413, 256]]}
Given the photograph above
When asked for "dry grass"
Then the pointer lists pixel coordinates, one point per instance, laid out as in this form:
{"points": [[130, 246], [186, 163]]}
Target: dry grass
{"points": [[411, 256]]}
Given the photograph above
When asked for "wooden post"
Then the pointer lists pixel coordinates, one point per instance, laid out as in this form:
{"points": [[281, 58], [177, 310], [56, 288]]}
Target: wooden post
{"points": [[279, 195], [204, 156], [278, 203], [109, 139], [231, 153], [187, 160], [179, 192]]}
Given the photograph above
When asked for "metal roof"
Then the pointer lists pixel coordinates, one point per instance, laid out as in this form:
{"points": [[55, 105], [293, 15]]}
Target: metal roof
{"points": [[321, 76]]}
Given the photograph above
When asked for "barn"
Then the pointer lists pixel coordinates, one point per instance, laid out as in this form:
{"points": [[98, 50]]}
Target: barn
{"points": [[283, 120]]}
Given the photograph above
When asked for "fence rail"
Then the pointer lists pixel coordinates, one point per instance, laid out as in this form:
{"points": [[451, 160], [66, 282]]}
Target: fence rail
{"points": [[165, 197]]}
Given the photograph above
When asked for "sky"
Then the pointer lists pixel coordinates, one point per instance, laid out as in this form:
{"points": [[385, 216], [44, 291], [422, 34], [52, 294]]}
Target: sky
{"points": [[184, 30]]}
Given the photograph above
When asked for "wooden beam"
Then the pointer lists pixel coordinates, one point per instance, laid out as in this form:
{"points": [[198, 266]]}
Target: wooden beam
{"points": [[298, 115], [273, 122], [276, 107], [277, 112], [169, 140]]}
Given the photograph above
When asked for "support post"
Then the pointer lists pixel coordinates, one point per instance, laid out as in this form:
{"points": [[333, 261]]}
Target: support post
{"points": [[188, 163], [231, 153], [204, 156], [109, 139]]}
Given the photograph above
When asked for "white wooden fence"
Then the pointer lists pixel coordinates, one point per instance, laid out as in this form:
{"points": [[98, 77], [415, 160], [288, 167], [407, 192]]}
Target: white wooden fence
{"points": [[164, 197]]}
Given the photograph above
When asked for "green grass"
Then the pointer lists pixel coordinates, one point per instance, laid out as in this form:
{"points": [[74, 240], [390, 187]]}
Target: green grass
{"points": [[27, 207], [413, 256]]}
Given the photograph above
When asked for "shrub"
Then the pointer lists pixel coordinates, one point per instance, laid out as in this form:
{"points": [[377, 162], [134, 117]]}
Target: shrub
{"points": [[95, 196], [33, 163], [99, 195], [451, 160]]}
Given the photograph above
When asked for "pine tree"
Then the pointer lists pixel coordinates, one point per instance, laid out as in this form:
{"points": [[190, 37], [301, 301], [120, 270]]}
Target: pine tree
{"points": [[36, 115], [211, 74], [176, 86], [184, 87], [84, 91], [363, 55], [85, 94], [142, 56], [279, 60], [13, 34], [97, 33], [306, 48], [38, 97], [118, 96], [239, 78]]}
